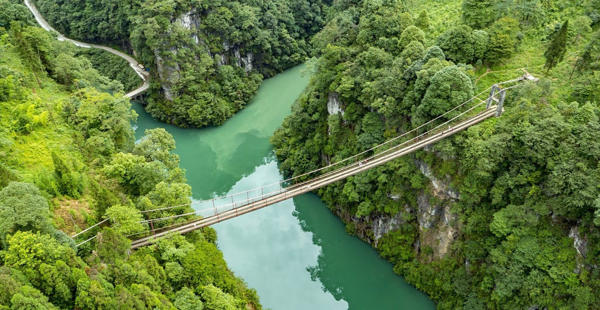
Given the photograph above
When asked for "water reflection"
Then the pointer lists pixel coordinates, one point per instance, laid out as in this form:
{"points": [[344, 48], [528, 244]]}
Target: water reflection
{"points": [[295, 253]]}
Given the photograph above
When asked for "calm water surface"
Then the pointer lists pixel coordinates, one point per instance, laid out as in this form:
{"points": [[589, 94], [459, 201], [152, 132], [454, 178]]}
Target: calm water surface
{"points": [[296, 254]]}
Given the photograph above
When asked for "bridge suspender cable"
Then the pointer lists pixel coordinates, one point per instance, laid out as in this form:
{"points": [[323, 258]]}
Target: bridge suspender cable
{"points": [[328, 166], [321, 176], [228, 214], [297, 188]]}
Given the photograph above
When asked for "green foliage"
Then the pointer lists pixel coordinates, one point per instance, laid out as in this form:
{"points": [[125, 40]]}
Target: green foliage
{"points": [[481, 41], [448, 88], [39, 268], [99, 114], [6, 176], [215, 299], [111, 66], [396, 246], [410, 34], [156, 145], [33, 45], [14, 12], [527, 180], [126, 219], [223, 49], [186, 300], [503, 39], [22, 208], [458, 44], [103, 198], [27, 250], [423, 20], [558, 47], [69, 182], [478, 13]]}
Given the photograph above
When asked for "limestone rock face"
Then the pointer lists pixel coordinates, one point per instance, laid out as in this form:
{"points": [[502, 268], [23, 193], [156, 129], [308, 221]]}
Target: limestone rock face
{"points": [[580, 244], [168, 69], [438, 226], [168, 74], [385, 224], [334, 105]]}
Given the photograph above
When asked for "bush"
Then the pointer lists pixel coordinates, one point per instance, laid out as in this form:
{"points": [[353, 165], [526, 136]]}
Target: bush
{"points": [[69, 182]]}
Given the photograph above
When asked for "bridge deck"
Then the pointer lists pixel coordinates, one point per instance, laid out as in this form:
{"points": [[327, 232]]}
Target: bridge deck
{"points": [[317, 182]]}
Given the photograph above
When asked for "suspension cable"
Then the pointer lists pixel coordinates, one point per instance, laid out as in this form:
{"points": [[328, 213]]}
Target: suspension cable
{"points": [[241, 203], [325, 167]]}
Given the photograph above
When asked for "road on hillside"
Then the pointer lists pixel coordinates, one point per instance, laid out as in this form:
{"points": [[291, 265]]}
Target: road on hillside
{"points": [[132, 62]]}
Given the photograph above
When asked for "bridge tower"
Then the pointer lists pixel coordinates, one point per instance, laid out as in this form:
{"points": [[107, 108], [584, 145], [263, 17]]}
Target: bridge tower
{"points": [[497, 95]]}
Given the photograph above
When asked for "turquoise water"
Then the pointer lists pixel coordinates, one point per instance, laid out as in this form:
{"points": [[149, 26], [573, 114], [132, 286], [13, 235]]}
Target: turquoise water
{"points": [[296, 253]]}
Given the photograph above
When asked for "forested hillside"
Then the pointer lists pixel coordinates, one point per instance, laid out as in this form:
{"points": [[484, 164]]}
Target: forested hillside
{"points": [[68, 160], [503, 215], [207, 58]]}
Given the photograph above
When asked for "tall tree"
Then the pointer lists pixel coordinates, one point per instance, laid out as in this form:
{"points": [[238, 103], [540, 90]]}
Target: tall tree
{"points": [[590, 54], [558, 48], [478, 13], [22, 207], [423, 20]]}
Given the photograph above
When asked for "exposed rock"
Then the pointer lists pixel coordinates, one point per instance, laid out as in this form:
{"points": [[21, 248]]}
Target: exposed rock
{"points": [[242, 62], [226, 46], [326, 159], [371, 229], [185, 20], [437, 225], [247, 61], [579, 243], [393, 197], [441, 188], [190, 21], [334, 105], [221, 60], [169, 74], [385, 224]]}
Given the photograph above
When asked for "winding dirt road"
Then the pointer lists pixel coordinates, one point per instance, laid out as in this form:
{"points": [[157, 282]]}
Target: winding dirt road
{"points": [[132, 62]]}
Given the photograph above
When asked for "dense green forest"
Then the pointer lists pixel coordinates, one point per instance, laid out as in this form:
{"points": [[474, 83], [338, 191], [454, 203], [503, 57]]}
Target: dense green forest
{"points": [[522, 189], [68, 160], [206, 58]]}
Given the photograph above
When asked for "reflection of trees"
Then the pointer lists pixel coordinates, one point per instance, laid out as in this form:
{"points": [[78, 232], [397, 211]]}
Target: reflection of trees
{"points": [[329, 270], [348, 268]]}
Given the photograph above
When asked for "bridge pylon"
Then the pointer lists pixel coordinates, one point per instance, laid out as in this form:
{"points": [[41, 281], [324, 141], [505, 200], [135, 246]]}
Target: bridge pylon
{"points": [[497, 95]]}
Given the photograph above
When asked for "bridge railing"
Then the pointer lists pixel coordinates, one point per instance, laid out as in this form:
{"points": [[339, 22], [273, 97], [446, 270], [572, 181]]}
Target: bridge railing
{"points": [[217, 205], [298, 179]]}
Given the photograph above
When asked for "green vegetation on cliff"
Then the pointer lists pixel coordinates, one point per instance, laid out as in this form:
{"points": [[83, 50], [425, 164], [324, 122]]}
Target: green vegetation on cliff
{"points": [[68, 160], [207, 58], [519, 190]]}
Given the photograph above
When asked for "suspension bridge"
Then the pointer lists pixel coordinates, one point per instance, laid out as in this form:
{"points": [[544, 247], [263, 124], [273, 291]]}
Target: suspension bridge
{"points": [[218, 209]]}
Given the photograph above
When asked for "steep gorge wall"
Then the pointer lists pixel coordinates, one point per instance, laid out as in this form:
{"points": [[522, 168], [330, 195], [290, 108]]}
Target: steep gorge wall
{"points": [[206, 58]]}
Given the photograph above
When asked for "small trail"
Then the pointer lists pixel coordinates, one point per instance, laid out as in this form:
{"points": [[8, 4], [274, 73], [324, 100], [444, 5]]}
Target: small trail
{"points": [[132, 62], [488, 71]]}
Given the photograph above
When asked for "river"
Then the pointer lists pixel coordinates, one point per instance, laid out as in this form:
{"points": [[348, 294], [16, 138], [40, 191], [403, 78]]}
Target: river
{"points": [[296, 253]]}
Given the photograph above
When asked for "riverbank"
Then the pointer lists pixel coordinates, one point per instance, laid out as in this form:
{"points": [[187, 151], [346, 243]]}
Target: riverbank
{"points": [[295, 253]]}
